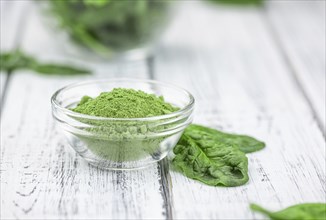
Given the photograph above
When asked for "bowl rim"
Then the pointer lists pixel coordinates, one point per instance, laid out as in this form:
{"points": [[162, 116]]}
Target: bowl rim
{"points": [[189, 106]]}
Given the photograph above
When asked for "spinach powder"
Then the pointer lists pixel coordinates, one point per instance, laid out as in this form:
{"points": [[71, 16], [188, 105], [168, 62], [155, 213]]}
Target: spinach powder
{"points": [[121, 140], [124, 103]]}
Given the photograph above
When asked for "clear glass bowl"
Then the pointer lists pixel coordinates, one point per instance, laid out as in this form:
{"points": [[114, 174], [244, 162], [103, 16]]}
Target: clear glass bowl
{"points": [[114, 29], [122, 143]]}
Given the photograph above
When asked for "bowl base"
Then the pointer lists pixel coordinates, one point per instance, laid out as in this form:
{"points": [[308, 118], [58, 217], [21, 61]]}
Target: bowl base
{"points": [[106, 166]]}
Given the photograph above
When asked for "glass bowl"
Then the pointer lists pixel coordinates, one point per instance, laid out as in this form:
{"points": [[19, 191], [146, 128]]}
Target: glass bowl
{"points": [[113, 29], [122, 143]]}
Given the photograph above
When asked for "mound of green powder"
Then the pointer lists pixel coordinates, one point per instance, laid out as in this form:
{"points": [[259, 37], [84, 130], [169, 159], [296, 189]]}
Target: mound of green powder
{"points": [[124, 103], [116, 141]]}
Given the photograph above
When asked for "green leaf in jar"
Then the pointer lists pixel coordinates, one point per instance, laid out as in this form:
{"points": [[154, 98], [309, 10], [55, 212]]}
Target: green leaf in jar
{"points": [[307, 211], [106, 26], [97, 3], [244, 143], [210, 162]]}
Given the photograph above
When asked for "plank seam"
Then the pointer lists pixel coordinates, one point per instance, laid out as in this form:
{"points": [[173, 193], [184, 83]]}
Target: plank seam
{"points": [[150, 66], [4, 92], [163, 166], [165, 182]]}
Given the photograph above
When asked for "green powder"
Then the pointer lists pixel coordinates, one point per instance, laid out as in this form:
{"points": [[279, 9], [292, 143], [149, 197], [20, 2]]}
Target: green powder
{"points": [[123, 141], [124, 103]]}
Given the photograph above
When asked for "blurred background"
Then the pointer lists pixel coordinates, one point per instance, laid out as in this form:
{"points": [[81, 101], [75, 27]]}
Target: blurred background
{"points": [[112, 29], [170, 40]]}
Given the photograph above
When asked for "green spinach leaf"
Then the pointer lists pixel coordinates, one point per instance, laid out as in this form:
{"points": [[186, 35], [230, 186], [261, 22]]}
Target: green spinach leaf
{"points": [[14, 60], [307, 211], [213, 163], [214, 157], [243, 142], [55, 69], [11, 61]]}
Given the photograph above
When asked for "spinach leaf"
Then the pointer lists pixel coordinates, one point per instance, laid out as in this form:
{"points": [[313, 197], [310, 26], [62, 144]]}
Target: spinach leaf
{"points": [[213, 163], [307, 211], [14, 60], [244, 143], [214, 157], [11, 61], [55, 69]]}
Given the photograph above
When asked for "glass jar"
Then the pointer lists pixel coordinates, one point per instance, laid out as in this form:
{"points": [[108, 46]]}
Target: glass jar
{"points": [[112, 28]]}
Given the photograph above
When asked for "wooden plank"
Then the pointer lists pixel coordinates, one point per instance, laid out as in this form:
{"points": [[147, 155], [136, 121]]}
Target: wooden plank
{"points": [[301, 34], [241, 84], [41, 178], [10, 21]]}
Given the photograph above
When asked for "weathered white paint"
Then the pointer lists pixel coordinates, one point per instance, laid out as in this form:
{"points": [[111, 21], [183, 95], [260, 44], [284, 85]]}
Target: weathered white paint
{"points": [[243, 85], [301, 32], [43, 178], [40, 176]]}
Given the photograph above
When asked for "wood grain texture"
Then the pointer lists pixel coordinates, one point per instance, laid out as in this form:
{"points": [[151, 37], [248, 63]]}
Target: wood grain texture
{"points": [[41, 177], [241, 84], [301, 34]]}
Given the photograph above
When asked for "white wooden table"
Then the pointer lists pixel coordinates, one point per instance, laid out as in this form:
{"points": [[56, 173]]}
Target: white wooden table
{"points": [[258, 71]]}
